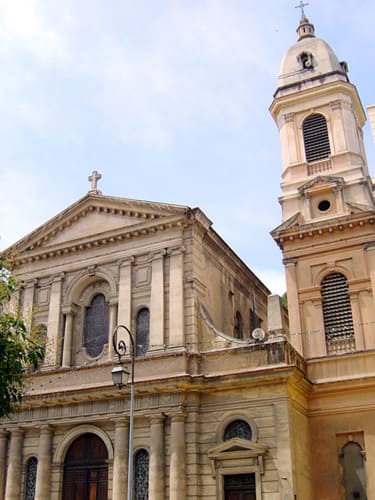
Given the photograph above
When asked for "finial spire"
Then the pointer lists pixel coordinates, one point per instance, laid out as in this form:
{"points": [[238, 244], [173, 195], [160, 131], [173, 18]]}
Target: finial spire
{"points": [[93, 178], [301, 6]]}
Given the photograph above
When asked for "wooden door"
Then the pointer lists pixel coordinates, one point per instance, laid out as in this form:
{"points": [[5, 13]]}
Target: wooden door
{"points": [[86, 469], [239, 487]]}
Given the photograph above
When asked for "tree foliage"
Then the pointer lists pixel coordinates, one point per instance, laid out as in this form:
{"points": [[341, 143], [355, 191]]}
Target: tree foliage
{"points": [[19, 349]]}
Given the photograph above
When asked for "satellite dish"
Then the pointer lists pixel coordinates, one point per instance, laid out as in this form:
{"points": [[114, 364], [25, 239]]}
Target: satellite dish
{"points": [[258, 334]]}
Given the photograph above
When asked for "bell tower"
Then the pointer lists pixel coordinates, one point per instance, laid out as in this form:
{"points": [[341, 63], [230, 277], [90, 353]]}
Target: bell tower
{"points": [[327, 234]]}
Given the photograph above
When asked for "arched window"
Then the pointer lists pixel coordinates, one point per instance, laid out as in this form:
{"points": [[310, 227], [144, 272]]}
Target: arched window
{"points": [[238, 429], [238, 326], [141, 466], [353, 471], [142, 332], [30, 478], [337, 311], [315, 137], [96, 325]]}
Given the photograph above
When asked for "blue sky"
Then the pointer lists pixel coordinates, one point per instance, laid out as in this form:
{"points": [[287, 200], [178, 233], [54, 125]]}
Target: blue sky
{"points": [[167, 99]]}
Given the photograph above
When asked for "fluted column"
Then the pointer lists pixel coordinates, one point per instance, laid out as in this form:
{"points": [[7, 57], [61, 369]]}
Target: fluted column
{"points": [[176, 296], [43, 475], [157, 301], [125, 293], [120, 460], [14, 471], [156, 467], [68, 337], [293, 303], [177, 472], [3, 455]]}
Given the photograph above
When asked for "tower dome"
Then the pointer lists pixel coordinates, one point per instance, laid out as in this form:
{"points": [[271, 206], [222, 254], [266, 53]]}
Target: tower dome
{"points": [[308, 58]]}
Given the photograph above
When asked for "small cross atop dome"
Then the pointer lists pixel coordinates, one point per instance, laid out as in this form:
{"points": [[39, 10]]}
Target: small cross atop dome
{"points": [[305, 28], [94, 178], [301, 6]]}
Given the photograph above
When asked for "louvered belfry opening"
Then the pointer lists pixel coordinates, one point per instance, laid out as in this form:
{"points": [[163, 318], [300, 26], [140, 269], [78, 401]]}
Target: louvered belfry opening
{"points": [[315, 137], [337, 313]]}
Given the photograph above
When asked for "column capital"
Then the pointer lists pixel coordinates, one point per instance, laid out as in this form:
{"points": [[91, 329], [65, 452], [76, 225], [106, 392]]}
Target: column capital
{"points": [[30, 283], [127, 261], [121, 421], [290, 262], [58, 277], [155, 417], [369, 246], [70, 309], [46, 428], [177, 415], [289, 117], [158, 254], [178, 250], [16, 431]]}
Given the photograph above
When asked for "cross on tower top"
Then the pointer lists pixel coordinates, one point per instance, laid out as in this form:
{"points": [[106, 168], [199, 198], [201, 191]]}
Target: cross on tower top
{"points": [[93, 178], [301, 6]]}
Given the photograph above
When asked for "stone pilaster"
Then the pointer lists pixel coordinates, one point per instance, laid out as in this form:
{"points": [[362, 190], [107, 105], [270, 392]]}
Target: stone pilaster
{"points": [[176, 297], [156, 470], [177, 471], [28, 302], [14, 470], [3, 455], [112, 326], [125, 293], [157, 301], [357, 321], [120, 460], [43, 476], [54, 322], [294, 311]]}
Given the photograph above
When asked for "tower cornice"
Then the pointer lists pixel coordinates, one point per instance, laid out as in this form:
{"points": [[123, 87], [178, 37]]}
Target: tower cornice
{"points": [[304, 95]]}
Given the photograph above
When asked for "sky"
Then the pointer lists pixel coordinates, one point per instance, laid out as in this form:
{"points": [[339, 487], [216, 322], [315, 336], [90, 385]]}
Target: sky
{"points": [[167, 99]]}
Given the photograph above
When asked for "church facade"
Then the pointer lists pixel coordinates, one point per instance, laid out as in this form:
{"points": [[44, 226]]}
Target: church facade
{"points": [[231, 400]]}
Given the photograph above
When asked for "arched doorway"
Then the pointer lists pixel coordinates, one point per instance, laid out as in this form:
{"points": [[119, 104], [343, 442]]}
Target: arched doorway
{"points": [[86, 469]]}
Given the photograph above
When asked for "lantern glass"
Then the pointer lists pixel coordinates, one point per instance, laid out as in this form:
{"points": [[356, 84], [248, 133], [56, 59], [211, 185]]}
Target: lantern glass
{"points": [[120, 376]]}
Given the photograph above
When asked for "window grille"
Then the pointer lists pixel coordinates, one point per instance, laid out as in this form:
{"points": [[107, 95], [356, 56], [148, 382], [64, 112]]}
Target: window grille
{"points": [[238, 429], [141, 466], [337, 312], [142, 332], [96, 325], [30, 479], [315, 137]]}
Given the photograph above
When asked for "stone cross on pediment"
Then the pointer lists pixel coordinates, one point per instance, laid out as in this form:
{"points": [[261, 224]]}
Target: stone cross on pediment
{"points": [[94, 178]]}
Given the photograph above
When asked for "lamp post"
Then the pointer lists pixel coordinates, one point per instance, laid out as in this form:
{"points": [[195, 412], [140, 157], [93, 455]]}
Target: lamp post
{"points": [[120, 376]]}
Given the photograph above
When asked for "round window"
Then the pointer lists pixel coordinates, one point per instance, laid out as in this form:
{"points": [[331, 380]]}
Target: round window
{"points": [[324, 205]]}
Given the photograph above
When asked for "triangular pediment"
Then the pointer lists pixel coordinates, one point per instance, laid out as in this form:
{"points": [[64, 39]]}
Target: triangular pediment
{"points": [[294, 221], [237, 446], [320, 182], [357, 208], [97, 216]]}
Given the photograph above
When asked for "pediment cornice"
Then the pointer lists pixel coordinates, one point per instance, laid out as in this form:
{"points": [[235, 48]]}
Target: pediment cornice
{"points": [[297, 229], [130, 219], [236, 447]]}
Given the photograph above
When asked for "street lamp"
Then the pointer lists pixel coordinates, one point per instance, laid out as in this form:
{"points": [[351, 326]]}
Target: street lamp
{"points": [[120, 377]]}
